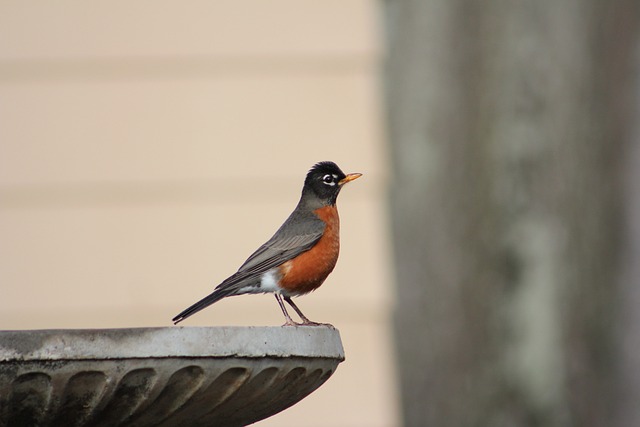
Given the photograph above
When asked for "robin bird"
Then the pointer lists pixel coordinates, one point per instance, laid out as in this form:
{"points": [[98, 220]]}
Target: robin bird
{"points": [[299, 256]]}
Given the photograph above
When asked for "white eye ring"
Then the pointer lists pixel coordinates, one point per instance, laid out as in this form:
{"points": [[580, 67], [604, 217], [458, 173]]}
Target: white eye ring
{"points": [[329, 179]]}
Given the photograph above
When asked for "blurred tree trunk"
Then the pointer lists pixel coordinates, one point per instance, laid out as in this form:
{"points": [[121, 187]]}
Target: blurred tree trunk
{"points": [[627, 411], [507, 123]]}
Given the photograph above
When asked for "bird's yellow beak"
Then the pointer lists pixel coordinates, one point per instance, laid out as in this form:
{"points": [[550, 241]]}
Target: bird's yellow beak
{"points": [[350, 177]]}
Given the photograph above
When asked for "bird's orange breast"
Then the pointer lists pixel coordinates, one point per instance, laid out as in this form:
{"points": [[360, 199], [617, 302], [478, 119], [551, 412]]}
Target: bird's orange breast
{"points": [[308, 270]]}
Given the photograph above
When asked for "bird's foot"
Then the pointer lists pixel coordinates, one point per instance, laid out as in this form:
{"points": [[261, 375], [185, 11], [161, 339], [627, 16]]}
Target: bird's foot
{"points": [[308, 322], [290, 322]]}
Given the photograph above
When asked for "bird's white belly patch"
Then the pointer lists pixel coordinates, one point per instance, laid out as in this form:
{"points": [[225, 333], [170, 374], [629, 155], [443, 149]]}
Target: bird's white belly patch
{"points": [[269, 281]]}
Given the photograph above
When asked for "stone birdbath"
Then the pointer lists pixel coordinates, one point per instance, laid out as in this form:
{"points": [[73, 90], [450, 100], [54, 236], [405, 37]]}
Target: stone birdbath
{"points": [[177, 376]]}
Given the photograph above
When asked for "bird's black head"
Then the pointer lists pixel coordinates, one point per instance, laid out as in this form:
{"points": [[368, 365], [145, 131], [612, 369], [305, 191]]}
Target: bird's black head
{"points": [[325, 180]]}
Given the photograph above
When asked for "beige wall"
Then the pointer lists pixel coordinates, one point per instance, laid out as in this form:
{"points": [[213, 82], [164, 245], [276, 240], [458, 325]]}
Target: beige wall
{"points": [[147, 148]]}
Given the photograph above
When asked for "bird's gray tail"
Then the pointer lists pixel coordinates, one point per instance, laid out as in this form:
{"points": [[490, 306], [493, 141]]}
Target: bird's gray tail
{"points": [[215, 296]]}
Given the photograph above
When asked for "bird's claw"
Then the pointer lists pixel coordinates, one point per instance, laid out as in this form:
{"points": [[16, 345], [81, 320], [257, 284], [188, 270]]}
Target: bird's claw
{"points": [[291, 323], [310, 323], [307, 323]]}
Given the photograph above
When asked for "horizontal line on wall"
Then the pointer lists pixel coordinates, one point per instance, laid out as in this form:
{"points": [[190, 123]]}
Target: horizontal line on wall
{"points": [[116, 68], [122, 194], [129, 193]]}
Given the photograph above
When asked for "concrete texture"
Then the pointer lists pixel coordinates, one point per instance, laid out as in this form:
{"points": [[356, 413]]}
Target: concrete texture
{"points": [[226, 376]]}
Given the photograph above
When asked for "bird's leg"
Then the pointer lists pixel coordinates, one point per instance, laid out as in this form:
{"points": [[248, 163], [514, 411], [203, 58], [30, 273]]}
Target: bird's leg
{"points": [[289, 321], [305, 320]]}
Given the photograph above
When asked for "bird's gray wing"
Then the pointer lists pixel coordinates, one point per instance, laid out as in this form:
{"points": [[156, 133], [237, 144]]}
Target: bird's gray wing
{"points": [[268, 256], [292, 239]]}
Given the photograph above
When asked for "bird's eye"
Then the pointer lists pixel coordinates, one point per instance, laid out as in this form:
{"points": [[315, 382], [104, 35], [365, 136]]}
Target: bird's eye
{"points": [[328, 179]]}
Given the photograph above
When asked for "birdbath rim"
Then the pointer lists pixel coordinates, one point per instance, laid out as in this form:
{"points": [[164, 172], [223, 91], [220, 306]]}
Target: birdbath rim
{"points": [[173, 341]]}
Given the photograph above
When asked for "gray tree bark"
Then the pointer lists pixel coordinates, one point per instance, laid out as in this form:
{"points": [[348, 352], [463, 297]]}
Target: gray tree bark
{"points": [[627, 409], [507, 123]]}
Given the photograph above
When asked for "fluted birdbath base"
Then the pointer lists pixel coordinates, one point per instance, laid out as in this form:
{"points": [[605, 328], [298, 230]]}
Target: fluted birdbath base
{"points": [[177, 376]]}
